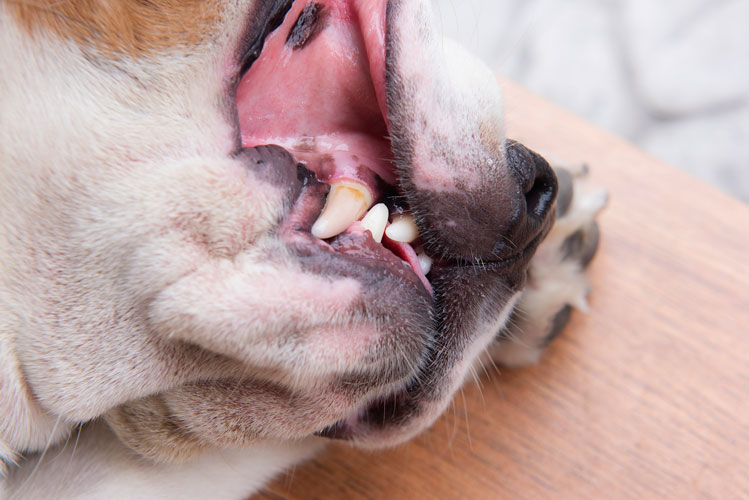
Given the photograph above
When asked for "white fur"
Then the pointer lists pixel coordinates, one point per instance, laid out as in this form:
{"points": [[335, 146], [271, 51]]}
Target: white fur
{"points": [[465, 88], [95, 465], [117, 196]]}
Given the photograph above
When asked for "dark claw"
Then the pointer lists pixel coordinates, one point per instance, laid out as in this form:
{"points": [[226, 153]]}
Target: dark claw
{"points": [[557, 324], [582, 244]]}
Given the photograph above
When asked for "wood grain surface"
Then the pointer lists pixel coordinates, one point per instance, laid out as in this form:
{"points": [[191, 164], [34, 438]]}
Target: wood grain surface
{"points": [[647, 396]]}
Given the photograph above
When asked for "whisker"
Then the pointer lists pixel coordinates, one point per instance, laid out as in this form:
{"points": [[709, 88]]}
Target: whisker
{"points": [[468, 427], [47, 446], [72, 453]]}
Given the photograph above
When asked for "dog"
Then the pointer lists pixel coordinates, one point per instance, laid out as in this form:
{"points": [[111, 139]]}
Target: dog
{"points": [[234, 230]]}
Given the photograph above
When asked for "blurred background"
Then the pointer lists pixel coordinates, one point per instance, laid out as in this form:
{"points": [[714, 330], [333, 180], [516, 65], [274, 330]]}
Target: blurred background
{"points": [[672, 76]]}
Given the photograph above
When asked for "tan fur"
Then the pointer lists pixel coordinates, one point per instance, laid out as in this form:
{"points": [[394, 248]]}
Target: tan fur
{"points": [[117, 27]]}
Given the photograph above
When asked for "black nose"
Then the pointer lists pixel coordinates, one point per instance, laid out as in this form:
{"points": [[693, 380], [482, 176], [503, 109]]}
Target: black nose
{"points": [[537, 189], [496, 219]]}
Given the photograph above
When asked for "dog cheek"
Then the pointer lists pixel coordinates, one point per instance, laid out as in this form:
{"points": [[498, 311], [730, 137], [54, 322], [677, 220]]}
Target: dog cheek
{"points": [[222, 207], [173, 219], [259, 309]]}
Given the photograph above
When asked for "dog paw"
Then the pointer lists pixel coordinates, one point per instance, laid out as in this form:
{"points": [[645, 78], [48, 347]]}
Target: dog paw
{"points": [[557, 280]]}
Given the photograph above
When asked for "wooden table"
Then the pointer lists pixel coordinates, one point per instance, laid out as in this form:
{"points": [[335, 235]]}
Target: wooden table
{"points": [[647, 396]]}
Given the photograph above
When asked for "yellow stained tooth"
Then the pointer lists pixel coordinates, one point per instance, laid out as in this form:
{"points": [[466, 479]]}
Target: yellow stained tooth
{"points": [[376, 220], [403, 229], [346, 203]]}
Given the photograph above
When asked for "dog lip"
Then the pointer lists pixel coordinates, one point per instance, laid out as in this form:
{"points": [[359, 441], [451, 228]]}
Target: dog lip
{"points": [[355, 244], [251, 47], [396, 404], [357, 248]]}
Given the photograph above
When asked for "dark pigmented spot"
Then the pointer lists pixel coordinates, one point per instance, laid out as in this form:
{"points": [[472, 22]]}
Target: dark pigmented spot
{"points": [[309, 24], [306, 144], [269, 16], [304, 175], [274, 165]]}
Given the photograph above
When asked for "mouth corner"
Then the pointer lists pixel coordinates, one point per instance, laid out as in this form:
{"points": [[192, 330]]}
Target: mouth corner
{"points": [[383, 423]]}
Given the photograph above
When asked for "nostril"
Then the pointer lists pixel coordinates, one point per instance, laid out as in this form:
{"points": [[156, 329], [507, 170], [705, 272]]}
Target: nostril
{"points": [[521, 164], [540, 198], [535, 178], [543, 192]]}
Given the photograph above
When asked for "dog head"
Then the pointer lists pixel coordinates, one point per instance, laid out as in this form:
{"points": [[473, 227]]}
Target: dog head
{"points": [[164, 165]]}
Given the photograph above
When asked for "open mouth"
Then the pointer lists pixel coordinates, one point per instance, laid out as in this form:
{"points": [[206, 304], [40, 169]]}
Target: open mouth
{"points": [[318, 90]]}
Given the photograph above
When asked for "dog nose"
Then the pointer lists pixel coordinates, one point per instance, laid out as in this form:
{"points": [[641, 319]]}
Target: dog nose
{"points": [[497, 219], [536, 192]]}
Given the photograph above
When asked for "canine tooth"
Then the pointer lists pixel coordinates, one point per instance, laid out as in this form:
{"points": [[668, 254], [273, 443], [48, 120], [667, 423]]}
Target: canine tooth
{"points": [[376, 220], [425, 262], [403, 229], [346, 203]]}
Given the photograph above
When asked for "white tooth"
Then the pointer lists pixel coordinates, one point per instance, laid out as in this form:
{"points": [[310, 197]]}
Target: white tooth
{"points": [[376, 220], [425, 262], [346, 203], [403, 229]]}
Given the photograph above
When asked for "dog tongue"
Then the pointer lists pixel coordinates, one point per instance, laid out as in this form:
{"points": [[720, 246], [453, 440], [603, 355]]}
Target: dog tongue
{"points": [[311, 91]]}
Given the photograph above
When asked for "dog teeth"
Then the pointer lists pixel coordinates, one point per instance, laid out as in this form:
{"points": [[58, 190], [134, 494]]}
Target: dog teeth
{"points": [[425, 262], [403, 229], [376, 220], [346, 203]]}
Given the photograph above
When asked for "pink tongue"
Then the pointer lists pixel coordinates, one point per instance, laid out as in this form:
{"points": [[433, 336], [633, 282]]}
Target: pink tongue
{"points": [[319, 101]]}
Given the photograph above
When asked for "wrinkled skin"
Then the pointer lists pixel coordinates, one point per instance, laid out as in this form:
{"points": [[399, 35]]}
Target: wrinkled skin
{"points": [[158, 267]]}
